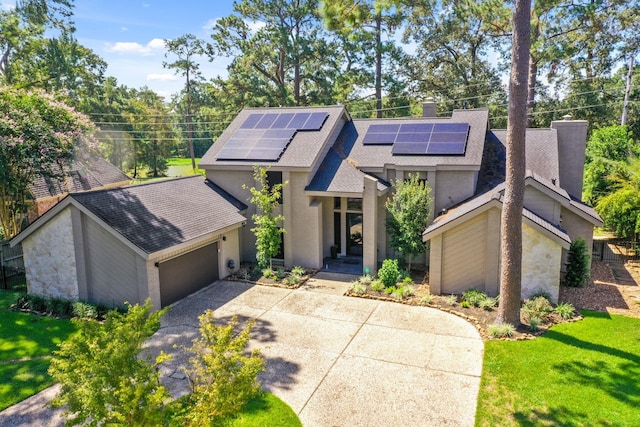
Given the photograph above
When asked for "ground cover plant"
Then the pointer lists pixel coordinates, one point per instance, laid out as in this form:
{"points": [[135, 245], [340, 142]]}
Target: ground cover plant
{"points": [[27, 342], [280, 276], [556, 378]]}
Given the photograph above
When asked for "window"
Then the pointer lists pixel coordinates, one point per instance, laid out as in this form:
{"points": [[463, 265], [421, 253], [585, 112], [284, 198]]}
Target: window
{"points": [[354, 204], [274, 178]]}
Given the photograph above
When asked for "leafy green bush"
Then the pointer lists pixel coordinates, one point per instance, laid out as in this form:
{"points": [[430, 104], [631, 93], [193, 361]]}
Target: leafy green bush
{"points": [[538, 308], [577, 273], [464, 304], [104, 377], [377, 285], [222, 375], [474, 297], [299, 271], [82, 310], [267, 273], [501, 330], [407, 280], [389, 272], [565, 310]]}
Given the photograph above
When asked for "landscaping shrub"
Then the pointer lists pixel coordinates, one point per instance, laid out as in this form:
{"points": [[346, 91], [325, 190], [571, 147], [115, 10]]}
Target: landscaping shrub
{"points": [[474, 297], [82, 310], [577, 273], [537, 308], [489, 303], [365, 279], [565, 310], [377, 285], [299, 271], [426, 299], [104, 378], [357, 288], [389, 272], [280, 273], [534, 323], [452, 300], [222, 375], [501, 330]]}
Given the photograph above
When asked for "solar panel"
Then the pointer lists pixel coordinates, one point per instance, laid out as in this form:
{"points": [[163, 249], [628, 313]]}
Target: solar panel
{"points": [[251, 121], [266, 121], [315, 121], [409, 148], [384, 128], [299, 120], [422, 138], [381, 134]]}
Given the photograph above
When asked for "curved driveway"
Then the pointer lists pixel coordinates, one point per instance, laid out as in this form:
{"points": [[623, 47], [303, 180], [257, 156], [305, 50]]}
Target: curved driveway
{"points": [[340, 361], [337, 361]]}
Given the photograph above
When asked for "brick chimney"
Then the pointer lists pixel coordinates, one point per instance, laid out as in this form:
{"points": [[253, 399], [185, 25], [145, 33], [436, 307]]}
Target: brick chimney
{"points": [[572, 142], [429, 108]]}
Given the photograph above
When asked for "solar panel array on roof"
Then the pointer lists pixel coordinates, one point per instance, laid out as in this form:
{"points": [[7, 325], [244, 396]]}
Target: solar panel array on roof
{"points": [[265, 136], [420, 138]]}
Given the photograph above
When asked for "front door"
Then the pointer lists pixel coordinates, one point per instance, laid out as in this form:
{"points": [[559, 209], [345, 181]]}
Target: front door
{"points": [[354, 234]]}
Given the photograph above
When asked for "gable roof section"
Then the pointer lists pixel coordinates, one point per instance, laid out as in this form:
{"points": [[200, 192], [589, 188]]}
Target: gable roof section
{"points": [[337, 175], [492, 199], [87, 171], [158, 215], [303, 152]]}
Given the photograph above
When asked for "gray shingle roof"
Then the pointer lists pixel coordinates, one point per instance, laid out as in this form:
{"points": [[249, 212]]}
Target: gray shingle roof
{"points": [[162, 214], [87, 171], [302, 152], [497, 194], [337, 175], [376, 156]]}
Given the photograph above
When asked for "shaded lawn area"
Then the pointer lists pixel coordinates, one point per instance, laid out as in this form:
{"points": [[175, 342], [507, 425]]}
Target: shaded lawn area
{"points": [[577, 374], [178, 166], [26, 345]]}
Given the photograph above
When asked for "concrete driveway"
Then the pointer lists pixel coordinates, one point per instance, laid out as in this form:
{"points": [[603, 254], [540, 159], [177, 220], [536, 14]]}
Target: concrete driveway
{"points": [[340, 361], [337, 361]]}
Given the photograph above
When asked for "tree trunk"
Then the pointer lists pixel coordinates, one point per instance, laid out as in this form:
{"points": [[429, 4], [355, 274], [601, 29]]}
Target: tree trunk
{"points": [[511, 220], [627, 91], [379, 65], [190, 125]]}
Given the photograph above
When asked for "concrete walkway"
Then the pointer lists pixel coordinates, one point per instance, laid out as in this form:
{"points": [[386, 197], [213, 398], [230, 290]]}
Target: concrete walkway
{"points": [[340, 361]]}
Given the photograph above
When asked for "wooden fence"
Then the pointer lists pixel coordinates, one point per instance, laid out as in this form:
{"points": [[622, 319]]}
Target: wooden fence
{"points": [[616, 251], [11, 266]]}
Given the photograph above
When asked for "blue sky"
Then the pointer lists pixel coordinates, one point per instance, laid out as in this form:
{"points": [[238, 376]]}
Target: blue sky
{"points": [[129, 36]]}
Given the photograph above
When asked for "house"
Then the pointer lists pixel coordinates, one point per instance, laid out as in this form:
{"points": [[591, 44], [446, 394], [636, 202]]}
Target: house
{"points": [[86, 171], [161, 241], [338, 173]]}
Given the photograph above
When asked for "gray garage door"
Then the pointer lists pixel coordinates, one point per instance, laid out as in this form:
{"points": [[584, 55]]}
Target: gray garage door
{"points": [[187, 273]]}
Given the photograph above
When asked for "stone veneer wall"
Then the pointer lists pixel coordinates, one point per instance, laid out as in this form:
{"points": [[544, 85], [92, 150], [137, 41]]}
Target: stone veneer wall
{"points": [[49, 259], [541, 260]]}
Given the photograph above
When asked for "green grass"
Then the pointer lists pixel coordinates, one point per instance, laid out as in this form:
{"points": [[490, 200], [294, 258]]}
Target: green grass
{"points": [[266, 411], [26, 345], [577, 374], [178, 166]]}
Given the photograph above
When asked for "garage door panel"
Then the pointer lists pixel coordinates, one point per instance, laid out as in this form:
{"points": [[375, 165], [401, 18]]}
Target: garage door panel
{"points": [[188, 273]]}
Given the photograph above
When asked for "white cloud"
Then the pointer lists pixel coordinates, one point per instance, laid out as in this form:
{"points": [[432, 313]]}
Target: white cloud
{"points": [[8, 5], [161, 77], [134, 48], [254, 26], [210, 24]]}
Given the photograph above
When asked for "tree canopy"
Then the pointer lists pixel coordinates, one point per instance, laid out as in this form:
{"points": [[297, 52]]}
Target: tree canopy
{"points": [[37, 138]]}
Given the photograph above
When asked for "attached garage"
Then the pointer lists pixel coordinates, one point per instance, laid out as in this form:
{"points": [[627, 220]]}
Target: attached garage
{"points": [[162, 241], [188, 273]]}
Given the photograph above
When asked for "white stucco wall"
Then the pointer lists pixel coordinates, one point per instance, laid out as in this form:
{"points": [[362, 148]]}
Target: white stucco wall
{"points": [[541, 259], [49, 259]]}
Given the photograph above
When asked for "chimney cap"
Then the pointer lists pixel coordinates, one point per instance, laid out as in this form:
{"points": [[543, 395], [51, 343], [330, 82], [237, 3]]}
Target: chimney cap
{"points": [[567, 117], [430, 99]]}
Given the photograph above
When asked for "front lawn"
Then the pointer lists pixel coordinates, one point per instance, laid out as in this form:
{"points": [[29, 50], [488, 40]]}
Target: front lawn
{"points": [[27, 342], [577, 374]]}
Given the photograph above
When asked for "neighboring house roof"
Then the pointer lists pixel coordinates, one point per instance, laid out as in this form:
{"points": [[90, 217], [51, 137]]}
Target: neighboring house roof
{"points": [[158, 215], [303, 152], [87, 171], [480, 204]]}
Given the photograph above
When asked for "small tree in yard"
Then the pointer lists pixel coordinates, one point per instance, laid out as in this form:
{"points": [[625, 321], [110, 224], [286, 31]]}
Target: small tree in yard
{"points": [[577, 272], [267, 225], [223, 377], [104, 378], [408, 216]]}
